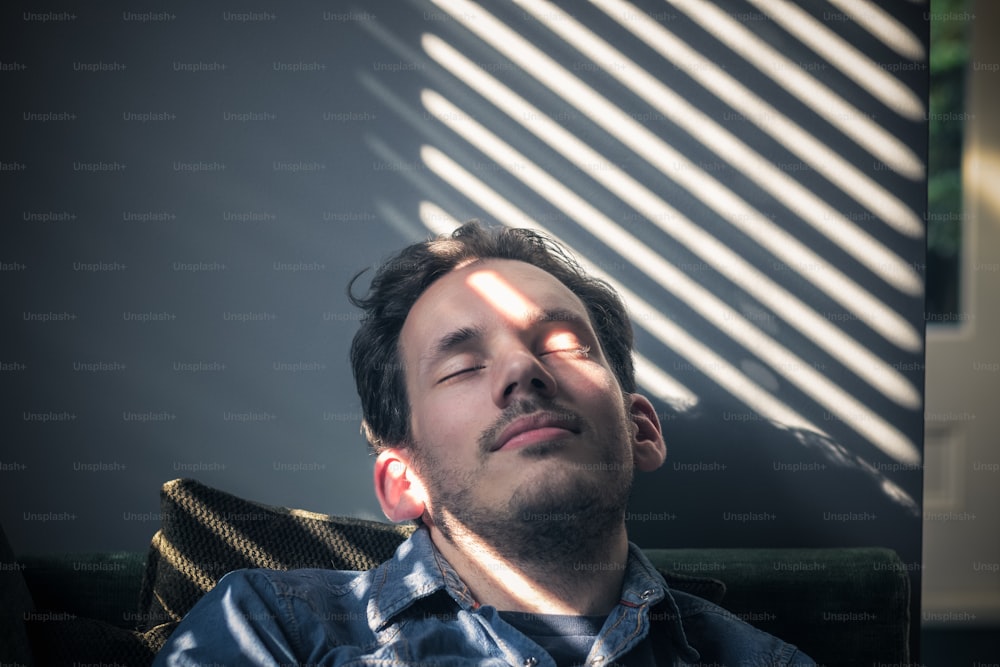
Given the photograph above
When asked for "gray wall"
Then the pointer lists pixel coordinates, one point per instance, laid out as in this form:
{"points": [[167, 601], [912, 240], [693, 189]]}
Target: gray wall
{"points": [[186, 194]]}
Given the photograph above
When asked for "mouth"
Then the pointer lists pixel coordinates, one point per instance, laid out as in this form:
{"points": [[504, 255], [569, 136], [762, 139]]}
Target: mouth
{"points": [[535, 428]]}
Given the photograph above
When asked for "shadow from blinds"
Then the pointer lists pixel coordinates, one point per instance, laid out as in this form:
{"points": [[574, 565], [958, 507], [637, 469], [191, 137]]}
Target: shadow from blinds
{"points": [[564, 132]]}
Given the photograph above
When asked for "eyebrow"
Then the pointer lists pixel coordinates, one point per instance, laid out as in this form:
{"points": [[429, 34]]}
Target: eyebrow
{"points": [[454, 339], [558, 315]]}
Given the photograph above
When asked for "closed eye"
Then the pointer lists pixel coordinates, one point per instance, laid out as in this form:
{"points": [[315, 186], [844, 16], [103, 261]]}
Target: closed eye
{"points": [[471, 369], [582, 351]]}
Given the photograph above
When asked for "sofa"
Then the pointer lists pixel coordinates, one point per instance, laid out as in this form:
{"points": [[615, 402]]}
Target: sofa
{"points": [[843, 606]]}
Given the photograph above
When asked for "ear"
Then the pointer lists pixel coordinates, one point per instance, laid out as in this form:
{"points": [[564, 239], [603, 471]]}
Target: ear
{"points": [[649, 451], [399, 490]]}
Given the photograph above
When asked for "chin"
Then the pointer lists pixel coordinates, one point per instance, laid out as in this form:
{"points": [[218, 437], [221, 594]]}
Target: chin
{"points": [[573, 494]]}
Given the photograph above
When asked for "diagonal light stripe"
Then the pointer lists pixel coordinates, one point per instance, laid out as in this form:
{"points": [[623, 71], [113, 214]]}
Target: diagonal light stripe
{"points": [[843, 55], [179, 560], [876, 430], [864, 421], [796, 313], [854, 356], [421, 180], [647, 374], [824, 102], [437, 219], [663, 386], [226, 530], [409, 230], [732, 323], [820, 157], [715, 195], [882, 25], [810, 208], [644, 314]]}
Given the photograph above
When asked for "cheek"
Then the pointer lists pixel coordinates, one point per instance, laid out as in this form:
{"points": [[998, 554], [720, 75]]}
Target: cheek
{"points": [[446, 420], [592, 381]]}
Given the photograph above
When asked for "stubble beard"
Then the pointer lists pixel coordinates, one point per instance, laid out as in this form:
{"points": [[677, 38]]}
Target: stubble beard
{"points": [[545, 522]]}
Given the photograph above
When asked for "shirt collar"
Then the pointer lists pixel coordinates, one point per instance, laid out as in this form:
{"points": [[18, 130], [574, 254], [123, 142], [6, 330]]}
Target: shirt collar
{"points": [[418, 570], [643, 584]]}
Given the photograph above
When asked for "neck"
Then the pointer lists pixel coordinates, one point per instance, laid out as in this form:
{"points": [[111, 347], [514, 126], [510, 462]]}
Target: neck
{"points": [[583, 578]]}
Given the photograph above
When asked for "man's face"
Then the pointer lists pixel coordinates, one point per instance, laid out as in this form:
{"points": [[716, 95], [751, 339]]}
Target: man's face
{"points": [[515, 412]]}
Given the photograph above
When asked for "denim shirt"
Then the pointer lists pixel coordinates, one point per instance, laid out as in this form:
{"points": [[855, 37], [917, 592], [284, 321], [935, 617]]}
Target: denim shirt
{"points": [[415, 610]]}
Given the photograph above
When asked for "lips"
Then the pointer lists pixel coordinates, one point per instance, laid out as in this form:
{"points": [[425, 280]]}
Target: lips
{"points": [[533, 428]]}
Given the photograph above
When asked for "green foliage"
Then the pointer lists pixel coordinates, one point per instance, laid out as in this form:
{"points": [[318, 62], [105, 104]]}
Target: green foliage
{"points": [[949, 35], [949, 58]]}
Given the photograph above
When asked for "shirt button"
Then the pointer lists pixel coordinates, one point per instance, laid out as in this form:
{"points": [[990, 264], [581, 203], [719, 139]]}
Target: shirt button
{"points": [[530, 661], [646, 593]]}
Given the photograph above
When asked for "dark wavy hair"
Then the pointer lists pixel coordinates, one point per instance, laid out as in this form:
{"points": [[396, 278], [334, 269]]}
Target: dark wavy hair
{"points": [[397, 284]]}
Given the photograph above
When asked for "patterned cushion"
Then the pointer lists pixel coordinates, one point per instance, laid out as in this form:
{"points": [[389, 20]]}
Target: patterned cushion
{"points": [[206, 533]]}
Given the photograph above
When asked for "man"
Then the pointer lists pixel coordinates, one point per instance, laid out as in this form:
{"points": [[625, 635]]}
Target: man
{"points": [[497, 388]]}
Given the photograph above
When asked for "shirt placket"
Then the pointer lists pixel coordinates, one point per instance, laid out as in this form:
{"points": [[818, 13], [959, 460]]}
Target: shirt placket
{"points": [[629, 627]]}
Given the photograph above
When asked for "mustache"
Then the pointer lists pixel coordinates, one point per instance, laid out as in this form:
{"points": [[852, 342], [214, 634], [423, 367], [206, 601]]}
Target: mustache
{"points": [[522, 408]]}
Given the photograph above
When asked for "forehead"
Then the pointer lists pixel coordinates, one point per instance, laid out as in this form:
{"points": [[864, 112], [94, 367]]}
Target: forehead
{"points": [[493, 292]]}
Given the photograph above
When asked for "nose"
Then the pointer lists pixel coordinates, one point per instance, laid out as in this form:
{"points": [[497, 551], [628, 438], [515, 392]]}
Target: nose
{"points": [[521, 373]]}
